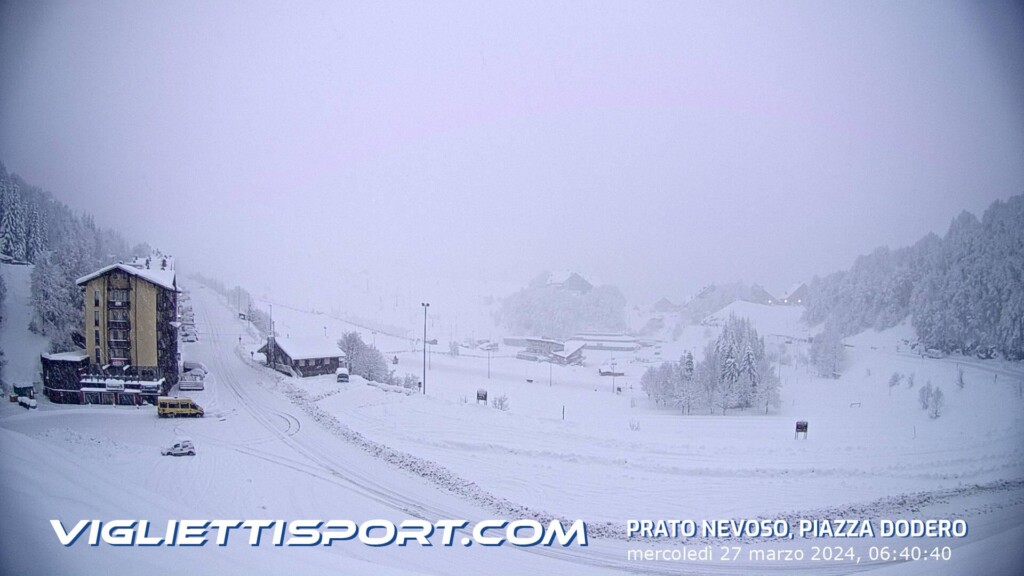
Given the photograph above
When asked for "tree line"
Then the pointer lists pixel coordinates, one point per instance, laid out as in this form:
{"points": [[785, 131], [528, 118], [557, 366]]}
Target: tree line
{"points": [[963, 292], [64, 246]]}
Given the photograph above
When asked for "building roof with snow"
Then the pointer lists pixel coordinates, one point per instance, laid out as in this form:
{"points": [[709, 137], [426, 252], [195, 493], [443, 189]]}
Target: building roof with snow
{"points": [[162, 278], [569, 280], [795, 294], [309, 348], [72, 356], [571, 347], [665, 306]]}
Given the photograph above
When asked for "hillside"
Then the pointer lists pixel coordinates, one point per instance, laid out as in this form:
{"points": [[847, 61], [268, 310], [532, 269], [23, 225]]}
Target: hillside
{"points": [[20, 346]]}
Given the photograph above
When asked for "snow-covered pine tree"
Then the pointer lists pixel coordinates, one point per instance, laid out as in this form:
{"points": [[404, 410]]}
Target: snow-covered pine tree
{"points": [[35, 240], [924, 395], [12, 219], [936, 402]]}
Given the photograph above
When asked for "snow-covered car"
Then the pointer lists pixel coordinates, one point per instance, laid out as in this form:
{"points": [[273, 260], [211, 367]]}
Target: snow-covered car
{"points": [[26, 402], [182, 447], [189, 337]]}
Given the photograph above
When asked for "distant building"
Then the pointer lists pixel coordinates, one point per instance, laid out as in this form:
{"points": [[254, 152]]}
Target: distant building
{"points": [[569, 281], [304, 356], [62, 374], [796, 295], [572, 354], [131, 322], [759, 295], [609, 341], [543, 346], [665, 306]]}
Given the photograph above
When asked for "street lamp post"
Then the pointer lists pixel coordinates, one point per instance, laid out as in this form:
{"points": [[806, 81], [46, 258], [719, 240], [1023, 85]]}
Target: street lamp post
{"points": [[488, 363], [425, 306]]}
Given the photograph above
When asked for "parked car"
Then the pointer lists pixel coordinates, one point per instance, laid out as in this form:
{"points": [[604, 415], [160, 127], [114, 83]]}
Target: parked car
{"points": [[342, 374], [181, 447], [167, 406]]}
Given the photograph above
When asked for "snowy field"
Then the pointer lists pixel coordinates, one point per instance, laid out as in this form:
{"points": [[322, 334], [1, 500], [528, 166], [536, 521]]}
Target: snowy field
{"points": [[276, 447]]}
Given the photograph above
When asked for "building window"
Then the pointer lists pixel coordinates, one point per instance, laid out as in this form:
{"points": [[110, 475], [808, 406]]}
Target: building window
{"points": [[95, 317], [97, 354], [96, 337], [95, 297]]}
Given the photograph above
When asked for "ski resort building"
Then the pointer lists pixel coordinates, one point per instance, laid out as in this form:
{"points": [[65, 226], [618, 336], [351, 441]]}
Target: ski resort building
{"points": [[610, 341], [543, 346], [759, 295], [796, 295], [572, 354], [131, 322], [303, 356]]}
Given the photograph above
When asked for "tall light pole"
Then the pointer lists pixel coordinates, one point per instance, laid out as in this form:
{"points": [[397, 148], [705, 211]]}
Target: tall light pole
{"points": [[425, 306]]}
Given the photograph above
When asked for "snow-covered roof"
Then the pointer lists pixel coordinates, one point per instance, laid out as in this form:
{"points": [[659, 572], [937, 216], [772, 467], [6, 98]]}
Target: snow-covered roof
{"points": [[307, 348], [72, 356], [560, 276], [571, 348], [604, 337], [162, 278], [792, 289]]}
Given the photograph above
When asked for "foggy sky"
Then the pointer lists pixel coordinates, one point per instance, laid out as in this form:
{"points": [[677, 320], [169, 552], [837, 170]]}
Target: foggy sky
{"points": [[656, 146]]}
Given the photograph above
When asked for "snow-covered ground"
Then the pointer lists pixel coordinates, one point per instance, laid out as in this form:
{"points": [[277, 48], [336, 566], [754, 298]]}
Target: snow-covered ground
{"points": [[278, 447], [21, 348]]}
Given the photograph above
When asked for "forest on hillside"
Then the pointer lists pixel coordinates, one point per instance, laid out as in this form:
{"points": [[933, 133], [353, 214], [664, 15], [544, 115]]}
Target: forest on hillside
{"points": [[63, 245], [963, 292]]}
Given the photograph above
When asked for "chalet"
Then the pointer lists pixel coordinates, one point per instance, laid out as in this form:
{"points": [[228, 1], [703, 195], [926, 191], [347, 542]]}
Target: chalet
{"points": [[759, 295], [569, 281], [796, 295], [303, 356]]}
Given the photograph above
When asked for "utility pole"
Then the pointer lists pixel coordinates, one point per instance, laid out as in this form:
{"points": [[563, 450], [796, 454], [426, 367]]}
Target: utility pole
{"points": [[488, 363], [425, 306]]}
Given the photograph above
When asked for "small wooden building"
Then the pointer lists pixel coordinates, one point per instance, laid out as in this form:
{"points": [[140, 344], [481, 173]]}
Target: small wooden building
{"points": [[62, 373], [304, 356]]}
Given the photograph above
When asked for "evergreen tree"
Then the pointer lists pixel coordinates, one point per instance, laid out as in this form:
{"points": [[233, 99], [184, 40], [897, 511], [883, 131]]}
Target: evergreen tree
{"points": [[35, 242], [12, 220]]}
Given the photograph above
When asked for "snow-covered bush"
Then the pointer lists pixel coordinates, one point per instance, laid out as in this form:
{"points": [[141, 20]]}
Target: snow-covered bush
{"points": [[894, 381], [500, 402], [409, 381], [936, 403], [931, 399], [924, 396]]}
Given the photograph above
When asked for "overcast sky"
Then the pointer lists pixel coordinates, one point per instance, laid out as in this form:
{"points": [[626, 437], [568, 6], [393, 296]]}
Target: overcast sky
{"points": [[655, 146]]}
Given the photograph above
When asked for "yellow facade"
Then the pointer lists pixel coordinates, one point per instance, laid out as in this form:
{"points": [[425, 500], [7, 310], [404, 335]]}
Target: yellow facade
{"points": [[141, 315]]}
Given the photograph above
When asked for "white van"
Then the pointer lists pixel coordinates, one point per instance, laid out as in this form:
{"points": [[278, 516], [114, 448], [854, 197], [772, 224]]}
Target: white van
{"points": [[181, 447]]}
